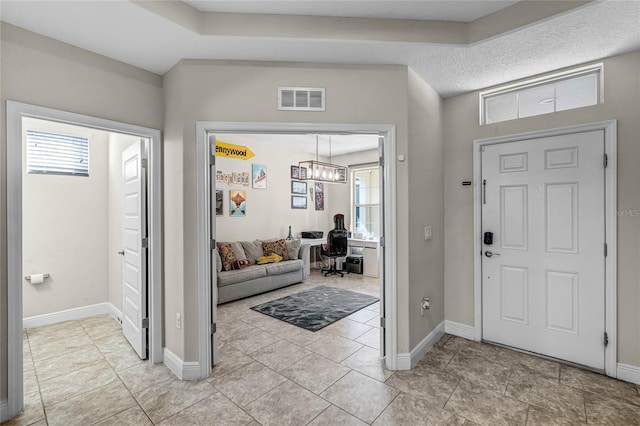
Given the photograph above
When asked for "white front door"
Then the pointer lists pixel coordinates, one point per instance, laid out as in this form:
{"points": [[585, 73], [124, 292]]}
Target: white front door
{"points": [[134, 271], [543, 275]]}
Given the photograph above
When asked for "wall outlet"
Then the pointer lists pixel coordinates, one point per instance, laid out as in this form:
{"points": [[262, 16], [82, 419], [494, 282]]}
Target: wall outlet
{"points": [[425, 305], [178, 320], [428, 233]]}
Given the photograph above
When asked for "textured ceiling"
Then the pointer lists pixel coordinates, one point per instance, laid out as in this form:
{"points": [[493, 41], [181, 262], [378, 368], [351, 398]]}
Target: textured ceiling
{"points": [[129, 33]]}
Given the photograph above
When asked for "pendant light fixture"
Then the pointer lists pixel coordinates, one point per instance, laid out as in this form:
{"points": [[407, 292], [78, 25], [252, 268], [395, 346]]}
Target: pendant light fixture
{"points": [[323, 172]]}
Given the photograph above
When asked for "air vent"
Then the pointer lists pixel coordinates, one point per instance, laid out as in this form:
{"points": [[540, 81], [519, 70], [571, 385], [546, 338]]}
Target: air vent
{"points": [[300, 99]]}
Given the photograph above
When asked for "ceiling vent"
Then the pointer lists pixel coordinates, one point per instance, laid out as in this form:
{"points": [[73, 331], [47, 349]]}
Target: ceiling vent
{"points": [[300, 99]]}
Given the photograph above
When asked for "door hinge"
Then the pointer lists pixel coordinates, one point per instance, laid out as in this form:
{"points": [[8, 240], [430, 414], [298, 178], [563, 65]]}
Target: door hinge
{"points": [[212, 160], [144, 163], [381, 161], [606, 339], [145, 242], [382, 241], [383, 322], [605, 161], [145, 322], [605, 249], [213, 328], [212, 244]]}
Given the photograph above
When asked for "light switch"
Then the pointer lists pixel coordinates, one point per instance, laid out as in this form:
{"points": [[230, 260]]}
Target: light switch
{"points": [[427, 233]]}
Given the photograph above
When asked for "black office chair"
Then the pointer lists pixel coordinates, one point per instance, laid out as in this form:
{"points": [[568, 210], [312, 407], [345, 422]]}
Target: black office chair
{"points": [[337, 242]]}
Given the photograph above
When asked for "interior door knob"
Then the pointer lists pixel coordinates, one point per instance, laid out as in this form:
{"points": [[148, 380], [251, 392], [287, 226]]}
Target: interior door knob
{"points": [[489, 253], [121, 252]]}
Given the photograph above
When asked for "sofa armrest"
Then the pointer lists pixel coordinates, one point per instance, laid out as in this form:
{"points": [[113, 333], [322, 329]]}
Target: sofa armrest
{"points": [[303, 254]]}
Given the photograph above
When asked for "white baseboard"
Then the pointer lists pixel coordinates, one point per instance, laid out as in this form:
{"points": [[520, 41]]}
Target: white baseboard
{"points": [[182, 370], [4, 410], [409, 360], [460, 330], [72, 314], [629, 373]]}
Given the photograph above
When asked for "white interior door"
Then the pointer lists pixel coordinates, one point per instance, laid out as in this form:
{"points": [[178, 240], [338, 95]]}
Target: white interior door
{"points": [[543, 276], [380, 257], [213, 200], [134, 306]]}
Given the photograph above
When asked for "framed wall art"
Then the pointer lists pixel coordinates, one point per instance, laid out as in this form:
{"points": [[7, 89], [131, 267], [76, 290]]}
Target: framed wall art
{"points": [[298, 187], [298, 202]]}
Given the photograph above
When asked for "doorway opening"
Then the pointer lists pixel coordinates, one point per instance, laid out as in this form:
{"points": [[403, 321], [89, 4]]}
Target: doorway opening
{"points": [[545, 246], [63, 227], [289, 137]]}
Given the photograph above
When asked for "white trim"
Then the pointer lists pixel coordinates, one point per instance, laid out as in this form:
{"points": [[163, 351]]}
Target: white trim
{"points": [[460, 330], [15, 111], [408, 361], [611, 225], [114, 312], [4, 410], [71, 314], [182, 370], [202, 218], [629, 373]]}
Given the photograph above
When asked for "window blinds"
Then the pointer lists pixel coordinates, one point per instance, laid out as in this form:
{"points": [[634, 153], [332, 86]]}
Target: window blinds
{"points": [[53, 153]]}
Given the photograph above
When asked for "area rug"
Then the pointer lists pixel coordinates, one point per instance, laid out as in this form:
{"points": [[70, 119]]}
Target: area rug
{"points": [[316, 308]]}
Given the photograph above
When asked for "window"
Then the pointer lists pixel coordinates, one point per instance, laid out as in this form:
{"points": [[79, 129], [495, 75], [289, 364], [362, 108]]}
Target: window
{"points": [[57, 154], [558, 92], [366, 202]]}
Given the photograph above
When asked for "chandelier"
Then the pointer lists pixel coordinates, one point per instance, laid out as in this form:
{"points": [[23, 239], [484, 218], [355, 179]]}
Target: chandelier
{"points": [[323, 172]]}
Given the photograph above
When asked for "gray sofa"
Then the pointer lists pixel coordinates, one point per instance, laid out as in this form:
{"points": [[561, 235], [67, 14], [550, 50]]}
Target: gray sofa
{"points": [[256, 279]]}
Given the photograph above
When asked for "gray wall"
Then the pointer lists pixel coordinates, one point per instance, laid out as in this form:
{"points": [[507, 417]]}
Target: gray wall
{"points": [[199, 90], [40, 71], [425, 207], [622, 102]]}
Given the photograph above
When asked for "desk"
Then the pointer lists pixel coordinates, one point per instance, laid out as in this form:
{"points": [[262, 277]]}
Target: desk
{"points": [[313, 242], [370, 253]]}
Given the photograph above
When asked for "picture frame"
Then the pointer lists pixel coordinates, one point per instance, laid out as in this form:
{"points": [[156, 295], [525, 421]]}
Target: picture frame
{"points": [[319, 187], [298, 202], [237, 203], [295, 172], [219, 202], [259, 176], [319, 201], [298, 187], [302, 172]]}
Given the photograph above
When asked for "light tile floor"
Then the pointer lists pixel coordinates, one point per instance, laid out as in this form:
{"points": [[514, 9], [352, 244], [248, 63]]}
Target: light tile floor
{"points": [[272, 373]]}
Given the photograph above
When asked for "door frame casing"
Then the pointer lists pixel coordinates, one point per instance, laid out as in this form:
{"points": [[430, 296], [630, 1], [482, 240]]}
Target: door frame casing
{"points": [[15, 112], [609, 128], [388, 131]]}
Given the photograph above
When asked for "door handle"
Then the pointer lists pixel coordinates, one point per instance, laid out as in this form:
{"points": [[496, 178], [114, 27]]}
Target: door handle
{"points": [[489, 253], [121, 252]]}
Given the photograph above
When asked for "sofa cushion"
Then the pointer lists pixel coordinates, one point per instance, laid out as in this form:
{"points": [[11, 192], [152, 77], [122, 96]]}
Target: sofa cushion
{"points": [[283, 267], [293, 248], [252, 249], [278, 247], [240, 275], [227, 255]]}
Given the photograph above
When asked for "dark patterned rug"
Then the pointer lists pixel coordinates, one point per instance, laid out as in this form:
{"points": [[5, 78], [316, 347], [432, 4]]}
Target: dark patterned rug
{"points": [[316, 308]]}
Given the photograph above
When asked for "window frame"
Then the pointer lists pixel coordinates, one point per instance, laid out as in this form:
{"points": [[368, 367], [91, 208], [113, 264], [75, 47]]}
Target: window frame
{"points": [[354, 206], [597, 69]]}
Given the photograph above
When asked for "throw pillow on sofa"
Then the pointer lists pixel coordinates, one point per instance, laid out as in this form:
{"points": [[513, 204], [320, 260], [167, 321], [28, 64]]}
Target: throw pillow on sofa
{"points": [[293, 248], [241, 263], [252, 249], [278, 247], [272, 258], [227, 255]]}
